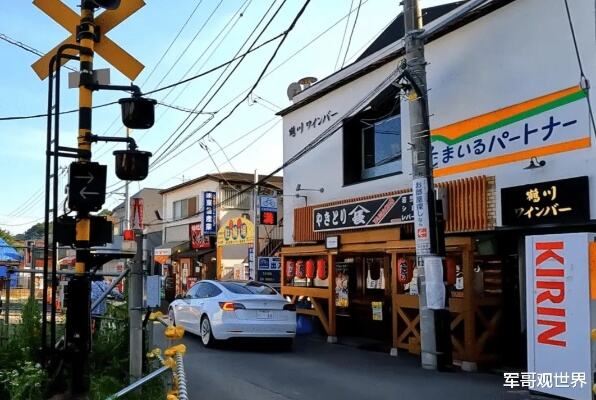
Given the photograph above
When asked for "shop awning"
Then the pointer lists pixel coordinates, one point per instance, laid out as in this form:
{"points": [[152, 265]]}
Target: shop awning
{"points": [[164, 252], [193, 253]]}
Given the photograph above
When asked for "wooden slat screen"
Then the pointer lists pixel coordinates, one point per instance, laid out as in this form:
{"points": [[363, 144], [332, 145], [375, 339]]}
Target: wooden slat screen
{"points": [[466, 212]]}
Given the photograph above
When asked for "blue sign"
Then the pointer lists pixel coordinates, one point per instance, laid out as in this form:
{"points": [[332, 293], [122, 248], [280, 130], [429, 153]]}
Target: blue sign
{"points": [[209, 213], [268, 203]]}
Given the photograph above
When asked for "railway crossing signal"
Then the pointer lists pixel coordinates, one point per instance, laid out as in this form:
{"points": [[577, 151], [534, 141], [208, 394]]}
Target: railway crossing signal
{"points": [[86, 186], [104, 46]]}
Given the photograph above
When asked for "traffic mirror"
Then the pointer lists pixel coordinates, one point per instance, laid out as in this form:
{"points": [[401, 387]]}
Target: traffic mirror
{"points": [[132, 165], [138, 112]]}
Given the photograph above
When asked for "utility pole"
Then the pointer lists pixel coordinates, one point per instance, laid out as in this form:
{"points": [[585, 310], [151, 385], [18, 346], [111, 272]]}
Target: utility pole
{"points": [[78, 318], [428, 263], [126, 197], [135, 310], [256, 223]]}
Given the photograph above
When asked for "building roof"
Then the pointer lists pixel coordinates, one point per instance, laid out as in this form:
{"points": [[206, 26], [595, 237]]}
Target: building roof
{"points": [[274, 182], [390, 45]]}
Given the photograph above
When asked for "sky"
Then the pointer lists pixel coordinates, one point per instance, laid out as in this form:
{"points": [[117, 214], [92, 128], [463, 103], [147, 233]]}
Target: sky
{"points": [[214, 32]]}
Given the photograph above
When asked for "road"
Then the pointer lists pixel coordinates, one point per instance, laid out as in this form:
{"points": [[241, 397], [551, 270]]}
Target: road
{"points": [[317, 370]]}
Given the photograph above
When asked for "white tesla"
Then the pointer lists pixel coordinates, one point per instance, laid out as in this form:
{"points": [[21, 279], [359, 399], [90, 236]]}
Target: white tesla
{"points": [[220, 310]]}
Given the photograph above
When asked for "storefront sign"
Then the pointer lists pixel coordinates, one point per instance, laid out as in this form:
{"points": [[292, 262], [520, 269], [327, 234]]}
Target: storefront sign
{"points": [[236, 231], [162, 255], [554, 123], [390, 210], [269, 270], [563, 201], [558, 311], [313, 123], [421, 216], [268, 210], [209, 213], [197, 240], [332, 242]]}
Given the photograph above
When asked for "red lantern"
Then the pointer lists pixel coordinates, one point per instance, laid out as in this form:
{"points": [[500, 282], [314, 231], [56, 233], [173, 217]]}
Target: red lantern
{"points": [[310, 268], [290, 269], [322, 270], [451, 270], [404, 271], [300, 269]]}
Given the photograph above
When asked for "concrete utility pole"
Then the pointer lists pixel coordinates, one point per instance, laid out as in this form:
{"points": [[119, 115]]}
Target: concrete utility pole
{"points": [[135, 310], [256, 223], [429, 266]]}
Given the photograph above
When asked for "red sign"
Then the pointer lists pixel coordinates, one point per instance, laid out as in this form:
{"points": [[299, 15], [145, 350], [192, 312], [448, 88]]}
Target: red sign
{"points": [[268, 218], [197, 240], [190, 282], [136, 213]]}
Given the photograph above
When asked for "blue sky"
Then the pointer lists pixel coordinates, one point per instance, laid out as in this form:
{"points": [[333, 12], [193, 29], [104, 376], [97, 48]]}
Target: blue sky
{"points": [[146, 35]]}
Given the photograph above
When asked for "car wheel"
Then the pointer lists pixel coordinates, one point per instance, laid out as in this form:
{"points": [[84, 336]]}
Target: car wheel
{"points": [[206, 334], [172, 317]]}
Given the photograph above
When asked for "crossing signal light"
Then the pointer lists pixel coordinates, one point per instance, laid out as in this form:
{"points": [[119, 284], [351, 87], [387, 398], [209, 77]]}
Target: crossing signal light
{"points": [[138, 112], [132, 165], [107, 4]]}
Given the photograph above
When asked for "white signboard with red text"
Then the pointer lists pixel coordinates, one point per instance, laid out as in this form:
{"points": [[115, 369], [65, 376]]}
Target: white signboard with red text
{"points": [[558, 312]]}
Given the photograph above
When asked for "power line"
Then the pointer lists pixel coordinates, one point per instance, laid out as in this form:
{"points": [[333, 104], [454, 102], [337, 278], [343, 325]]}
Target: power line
{"points": [[165, 153], [171, 43], [352, 33], [343, 38], [264, 70], [26, 47]]}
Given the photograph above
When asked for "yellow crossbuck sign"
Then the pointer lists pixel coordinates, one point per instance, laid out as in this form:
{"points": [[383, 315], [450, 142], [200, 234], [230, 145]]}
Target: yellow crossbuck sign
{"points": [[106, 48]]}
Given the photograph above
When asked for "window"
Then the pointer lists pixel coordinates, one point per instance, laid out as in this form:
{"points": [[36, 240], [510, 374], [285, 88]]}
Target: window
{"points": [[185, 208], [212, 290], [192, 292], [372, 140], [231, 198], [249, 287]]}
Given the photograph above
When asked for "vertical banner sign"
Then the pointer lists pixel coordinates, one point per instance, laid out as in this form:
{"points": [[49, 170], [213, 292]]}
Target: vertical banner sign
{"points": [[268, 210], [559, 313], [251, 262], [421, 219], [136, 213], [209, 213]]}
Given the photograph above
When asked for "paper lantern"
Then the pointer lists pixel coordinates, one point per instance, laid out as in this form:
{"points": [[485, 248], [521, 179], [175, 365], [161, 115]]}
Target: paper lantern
{"points": [[310, 268], [404, 271], [322, 270], [290, 269], [451, 270], [300, 269]]}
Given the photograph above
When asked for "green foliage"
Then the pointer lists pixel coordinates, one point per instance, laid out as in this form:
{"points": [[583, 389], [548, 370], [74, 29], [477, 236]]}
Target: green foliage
{"points": [[6, 235], [25, 383], [35, 232], [104, 213]]}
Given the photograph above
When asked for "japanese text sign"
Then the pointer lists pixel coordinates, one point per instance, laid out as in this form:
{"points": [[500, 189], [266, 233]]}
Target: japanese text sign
{"points": [[209, 213], [563, 201], [389, 210], [197, 240], [550, 124]]}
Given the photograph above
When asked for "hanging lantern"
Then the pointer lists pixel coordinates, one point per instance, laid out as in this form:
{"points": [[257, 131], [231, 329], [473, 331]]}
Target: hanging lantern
{"points": [[310, 268], [300, 269], [322, 270], [404, 271], [290, 269], [451, 270]]}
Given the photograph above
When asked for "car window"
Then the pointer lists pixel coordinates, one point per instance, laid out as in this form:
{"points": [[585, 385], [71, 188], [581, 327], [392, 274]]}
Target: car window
{"points": [[202, 291], [192, 292], [249, 287], [212, 290]]}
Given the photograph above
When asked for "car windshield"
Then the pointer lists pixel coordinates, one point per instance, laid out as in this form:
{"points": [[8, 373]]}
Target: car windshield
{"points": [[250, 287]]}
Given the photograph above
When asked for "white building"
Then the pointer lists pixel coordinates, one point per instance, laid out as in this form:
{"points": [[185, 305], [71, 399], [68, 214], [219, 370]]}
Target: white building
{"points": [[512, 138], [185, 206]]}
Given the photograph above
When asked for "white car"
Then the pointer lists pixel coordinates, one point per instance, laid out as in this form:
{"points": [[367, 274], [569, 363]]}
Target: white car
{"points": [[220, 310]]}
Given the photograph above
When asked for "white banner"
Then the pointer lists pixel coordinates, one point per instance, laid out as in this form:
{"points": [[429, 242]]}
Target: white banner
{"points": [[421, 218]]}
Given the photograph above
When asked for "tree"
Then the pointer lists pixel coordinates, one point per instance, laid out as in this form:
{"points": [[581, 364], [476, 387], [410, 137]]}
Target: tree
{"points": [[8, 238], [35, 232], [104, 213]]}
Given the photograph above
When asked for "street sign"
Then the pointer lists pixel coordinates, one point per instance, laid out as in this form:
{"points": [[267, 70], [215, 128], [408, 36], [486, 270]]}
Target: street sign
{"points": [[106, 48], [268, 210], [86, 186]]}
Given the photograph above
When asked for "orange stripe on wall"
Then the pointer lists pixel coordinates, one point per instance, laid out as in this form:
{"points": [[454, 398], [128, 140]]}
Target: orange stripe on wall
{"points": [[457, 129], [509, 158]]}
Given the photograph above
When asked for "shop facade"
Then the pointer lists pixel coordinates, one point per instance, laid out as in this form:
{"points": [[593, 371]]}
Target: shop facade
{"points": [[512, 155]]}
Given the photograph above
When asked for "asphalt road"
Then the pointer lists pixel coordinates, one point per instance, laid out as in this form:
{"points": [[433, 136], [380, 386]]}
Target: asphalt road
{"points": [[317, 370]]}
